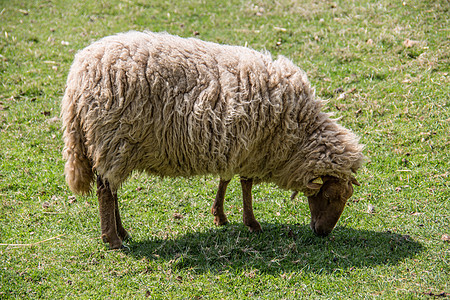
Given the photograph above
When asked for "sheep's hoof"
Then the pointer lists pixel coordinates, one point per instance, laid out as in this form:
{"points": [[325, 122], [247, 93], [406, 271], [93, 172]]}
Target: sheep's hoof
{"points": [[254, 227], [124, 236], [220, 220], [117, 245], [219, 217], [113, 244]]}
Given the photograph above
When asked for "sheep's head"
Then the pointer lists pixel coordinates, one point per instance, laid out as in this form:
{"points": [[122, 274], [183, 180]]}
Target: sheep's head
{"points": [[328, 202]]}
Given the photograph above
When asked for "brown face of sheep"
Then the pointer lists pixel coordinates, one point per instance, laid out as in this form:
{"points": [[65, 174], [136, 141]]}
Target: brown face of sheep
{"points": [[329, 202]]}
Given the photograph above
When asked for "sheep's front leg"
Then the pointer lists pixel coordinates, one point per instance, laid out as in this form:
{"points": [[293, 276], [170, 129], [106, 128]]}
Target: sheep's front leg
{"points": [[217, 209], [107, 209], [248, 217]]}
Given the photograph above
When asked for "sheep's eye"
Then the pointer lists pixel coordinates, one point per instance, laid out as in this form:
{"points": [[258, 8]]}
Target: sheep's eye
{"points": [[327, 197]]}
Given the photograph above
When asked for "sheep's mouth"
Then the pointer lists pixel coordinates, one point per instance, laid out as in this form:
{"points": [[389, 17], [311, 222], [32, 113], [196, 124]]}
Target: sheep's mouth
{"points": [[320, 230]]}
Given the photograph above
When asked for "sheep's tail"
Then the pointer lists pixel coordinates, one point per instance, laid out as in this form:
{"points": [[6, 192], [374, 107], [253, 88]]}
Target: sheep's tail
{"points": [[78, 169]]}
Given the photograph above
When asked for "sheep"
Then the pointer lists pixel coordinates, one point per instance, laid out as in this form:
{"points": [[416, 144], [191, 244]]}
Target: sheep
{"points": [[172, 106]]}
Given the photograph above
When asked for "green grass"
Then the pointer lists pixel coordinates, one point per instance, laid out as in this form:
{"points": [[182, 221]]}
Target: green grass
{"points": [[393, 93]]}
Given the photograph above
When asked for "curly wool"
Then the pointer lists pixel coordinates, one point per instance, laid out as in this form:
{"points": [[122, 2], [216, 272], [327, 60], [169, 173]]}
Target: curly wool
{"points": [[172, 106]]}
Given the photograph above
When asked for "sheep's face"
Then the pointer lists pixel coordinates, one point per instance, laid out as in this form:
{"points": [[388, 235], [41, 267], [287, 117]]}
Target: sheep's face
{"points": [[328, 203]]}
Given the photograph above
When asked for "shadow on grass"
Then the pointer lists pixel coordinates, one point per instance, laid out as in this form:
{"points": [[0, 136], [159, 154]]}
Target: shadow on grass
{"points": [[279, 248]]}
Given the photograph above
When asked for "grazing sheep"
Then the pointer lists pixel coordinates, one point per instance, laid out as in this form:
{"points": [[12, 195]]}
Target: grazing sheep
{"points": [[172, 106]]}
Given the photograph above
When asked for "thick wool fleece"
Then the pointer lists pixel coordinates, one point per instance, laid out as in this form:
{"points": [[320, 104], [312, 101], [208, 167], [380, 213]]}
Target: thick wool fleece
{"points": [[172, 106]]}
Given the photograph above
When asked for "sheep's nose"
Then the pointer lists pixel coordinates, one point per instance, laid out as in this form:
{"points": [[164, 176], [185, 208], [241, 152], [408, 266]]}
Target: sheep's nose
{"points": [[318, 230]]}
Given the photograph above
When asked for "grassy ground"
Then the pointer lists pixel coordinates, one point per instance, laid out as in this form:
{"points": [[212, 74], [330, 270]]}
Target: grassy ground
{"points": [[383, 65]]}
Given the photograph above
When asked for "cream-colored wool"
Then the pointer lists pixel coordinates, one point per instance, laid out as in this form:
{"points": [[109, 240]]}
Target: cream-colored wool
{"points": [[172, 106]]}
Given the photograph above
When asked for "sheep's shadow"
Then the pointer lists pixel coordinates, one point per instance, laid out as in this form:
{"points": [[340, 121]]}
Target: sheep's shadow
{"points": [[279, 248]]}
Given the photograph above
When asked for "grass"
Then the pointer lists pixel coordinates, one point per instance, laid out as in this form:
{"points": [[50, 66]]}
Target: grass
{"points": [[383, 66]]}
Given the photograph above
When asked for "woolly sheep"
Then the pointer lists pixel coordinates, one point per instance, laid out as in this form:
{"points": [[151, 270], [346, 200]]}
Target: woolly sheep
{"points": [[173, 106]]}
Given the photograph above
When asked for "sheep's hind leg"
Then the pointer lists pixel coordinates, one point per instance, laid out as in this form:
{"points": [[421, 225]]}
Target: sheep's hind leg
{"points": [[249, 217], [217, 209], [107, 209], [123, 234]]}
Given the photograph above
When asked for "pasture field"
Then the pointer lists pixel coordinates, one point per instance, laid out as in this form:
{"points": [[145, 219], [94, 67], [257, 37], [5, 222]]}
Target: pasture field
{"points": [[382, 65]]}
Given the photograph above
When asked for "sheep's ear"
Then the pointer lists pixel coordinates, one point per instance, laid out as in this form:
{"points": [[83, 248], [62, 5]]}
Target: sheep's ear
{"points": [[354, 181], [315, 184]]}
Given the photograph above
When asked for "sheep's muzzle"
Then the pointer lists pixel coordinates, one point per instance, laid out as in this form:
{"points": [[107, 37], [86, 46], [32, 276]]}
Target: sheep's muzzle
{"points": [[328, 203]]}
